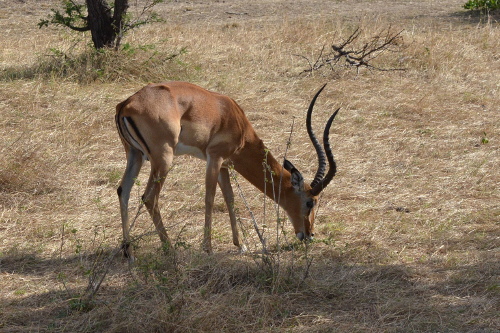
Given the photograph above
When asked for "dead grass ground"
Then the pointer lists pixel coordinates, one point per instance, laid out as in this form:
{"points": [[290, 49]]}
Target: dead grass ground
{"points": [[408, 233]]}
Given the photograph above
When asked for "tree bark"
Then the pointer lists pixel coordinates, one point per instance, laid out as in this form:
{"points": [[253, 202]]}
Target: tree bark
{"points": [[106, 27], [101, 24], [121, 7]]}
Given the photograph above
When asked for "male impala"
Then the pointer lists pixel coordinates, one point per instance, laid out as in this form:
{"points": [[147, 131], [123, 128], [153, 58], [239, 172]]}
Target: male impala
{"points": [[175, 118]]}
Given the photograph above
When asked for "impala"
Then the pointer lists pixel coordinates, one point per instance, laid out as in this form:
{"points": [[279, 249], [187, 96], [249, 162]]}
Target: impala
{"points": [[175, 118]]}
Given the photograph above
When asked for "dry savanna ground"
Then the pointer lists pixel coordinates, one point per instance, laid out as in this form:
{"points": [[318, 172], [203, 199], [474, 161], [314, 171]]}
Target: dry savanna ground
{"points": [[407, 234]]}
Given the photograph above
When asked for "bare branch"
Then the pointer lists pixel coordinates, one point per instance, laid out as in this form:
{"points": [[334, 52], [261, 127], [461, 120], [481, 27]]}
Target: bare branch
{"points": [[356, 53]]}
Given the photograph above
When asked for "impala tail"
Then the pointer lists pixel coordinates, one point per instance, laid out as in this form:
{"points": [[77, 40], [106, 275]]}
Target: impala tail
{"points": [[128, 131]]}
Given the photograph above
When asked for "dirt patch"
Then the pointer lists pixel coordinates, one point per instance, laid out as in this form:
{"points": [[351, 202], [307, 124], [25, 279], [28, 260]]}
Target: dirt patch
{"points": [[197, 12]]}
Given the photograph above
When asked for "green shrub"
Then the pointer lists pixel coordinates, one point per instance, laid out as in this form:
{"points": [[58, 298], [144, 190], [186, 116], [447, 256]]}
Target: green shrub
{"points": [[482, 4]]}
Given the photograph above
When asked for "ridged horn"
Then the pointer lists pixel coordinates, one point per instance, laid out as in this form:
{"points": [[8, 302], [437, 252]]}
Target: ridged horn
{"points": [[332, 169], [320, 173]]}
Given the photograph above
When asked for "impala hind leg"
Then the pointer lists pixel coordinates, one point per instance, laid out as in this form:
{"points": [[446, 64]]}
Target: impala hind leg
{"points": [[227, 192], [134, 164], [159, 171]]}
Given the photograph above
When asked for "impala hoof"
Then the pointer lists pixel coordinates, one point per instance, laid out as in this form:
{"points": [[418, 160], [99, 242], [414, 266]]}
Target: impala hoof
{"points": [[242, 249], [127, 251], [302, 237]]}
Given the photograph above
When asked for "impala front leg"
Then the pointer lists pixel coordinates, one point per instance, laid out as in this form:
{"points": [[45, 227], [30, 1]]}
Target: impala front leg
{"points": [[213, 168], [227, 192]]}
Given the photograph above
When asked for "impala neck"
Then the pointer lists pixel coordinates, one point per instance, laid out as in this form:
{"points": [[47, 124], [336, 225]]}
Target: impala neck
{"points": [[252, 160]]}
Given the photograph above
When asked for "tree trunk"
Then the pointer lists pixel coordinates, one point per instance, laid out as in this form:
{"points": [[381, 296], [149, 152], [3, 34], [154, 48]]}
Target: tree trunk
{"points": [[106, 27], [121, 7], [101, 23]]}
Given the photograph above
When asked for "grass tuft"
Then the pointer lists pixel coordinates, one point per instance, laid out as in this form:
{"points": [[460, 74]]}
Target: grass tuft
{"points": [[87, 66]]}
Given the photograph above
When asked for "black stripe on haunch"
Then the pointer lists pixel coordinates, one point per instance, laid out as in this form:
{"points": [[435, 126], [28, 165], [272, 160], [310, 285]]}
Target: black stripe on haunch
{"points": [[139, 135]]}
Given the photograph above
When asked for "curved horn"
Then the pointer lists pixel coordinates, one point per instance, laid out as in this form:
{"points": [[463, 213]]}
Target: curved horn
{"points": [[331, 160], [320, 173]]}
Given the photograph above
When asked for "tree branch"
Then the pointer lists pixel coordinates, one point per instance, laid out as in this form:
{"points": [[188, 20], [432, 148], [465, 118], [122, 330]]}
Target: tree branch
{"points": [[357, 54]]}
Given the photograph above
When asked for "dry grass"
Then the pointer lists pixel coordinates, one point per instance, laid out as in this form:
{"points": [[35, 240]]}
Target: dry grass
{"points": [[408, 233]]}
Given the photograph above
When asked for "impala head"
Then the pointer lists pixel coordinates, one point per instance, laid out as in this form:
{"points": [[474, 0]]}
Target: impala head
{"points": [[307, 194]]}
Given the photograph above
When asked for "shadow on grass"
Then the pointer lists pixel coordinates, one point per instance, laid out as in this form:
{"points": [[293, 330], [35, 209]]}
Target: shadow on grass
{"points": [[472, 17], [28, 263], [87, 67], [91, 65], [476, 16], [193, 292]]}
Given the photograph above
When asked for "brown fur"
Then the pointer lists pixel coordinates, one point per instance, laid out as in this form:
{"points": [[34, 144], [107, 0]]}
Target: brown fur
{"points": [[171, 118]]}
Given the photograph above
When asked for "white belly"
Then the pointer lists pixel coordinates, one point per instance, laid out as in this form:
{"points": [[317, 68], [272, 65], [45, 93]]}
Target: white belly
{"points": [[182, 149]]}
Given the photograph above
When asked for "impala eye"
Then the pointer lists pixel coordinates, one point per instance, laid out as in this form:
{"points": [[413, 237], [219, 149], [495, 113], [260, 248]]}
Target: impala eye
{"points": [[310, 204]]}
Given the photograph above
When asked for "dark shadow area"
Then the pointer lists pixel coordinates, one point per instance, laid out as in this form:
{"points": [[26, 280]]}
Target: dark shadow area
{"points": [[91, 65], [471, 17], [32, 264], [183, 291], [476, 16]]}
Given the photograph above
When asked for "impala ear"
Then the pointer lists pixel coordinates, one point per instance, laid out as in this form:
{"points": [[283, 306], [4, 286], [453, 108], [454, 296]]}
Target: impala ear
{"points": [[297, 179], [288, 165]]}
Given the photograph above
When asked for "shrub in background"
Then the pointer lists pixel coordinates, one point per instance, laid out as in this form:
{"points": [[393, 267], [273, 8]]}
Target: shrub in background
{"points": [[482, 4]]}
